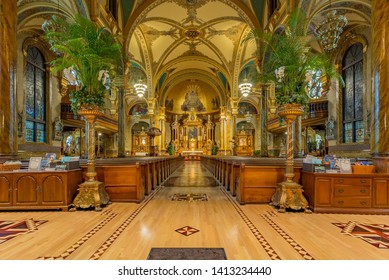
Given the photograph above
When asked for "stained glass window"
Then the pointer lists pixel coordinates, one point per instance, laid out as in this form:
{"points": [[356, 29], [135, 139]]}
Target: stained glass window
{"points": [[352, 105], [35, 96], [315, 81]]}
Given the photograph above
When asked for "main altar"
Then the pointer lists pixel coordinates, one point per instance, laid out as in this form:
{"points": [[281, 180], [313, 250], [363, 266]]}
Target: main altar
{"points": [[193, 136]]}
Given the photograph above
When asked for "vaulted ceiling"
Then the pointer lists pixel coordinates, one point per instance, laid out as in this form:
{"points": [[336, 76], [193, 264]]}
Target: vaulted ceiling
{"points": [[176, 41]]}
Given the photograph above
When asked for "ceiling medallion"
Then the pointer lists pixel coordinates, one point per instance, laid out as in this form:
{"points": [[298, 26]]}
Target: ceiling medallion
{"points": [[192, 33]]}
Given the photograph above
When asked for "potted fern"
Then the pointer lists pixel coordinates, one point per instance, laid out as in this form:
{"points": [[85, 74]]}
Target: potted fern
{"points": [[286, 59], [90, 51], [92, 55]]}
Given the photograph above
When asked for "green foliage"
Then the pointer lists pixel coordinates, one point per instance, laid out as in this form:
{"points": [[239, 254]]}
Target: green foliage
{"points": [[215, 149], [170, 149], [290, 50], [257, 153], [87, 48]]}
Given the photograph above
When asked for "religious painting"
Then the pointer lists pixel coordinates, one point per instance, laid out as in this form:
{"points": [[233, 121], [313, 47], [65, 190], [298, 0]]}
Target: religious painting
{"points": [[169, 104], [246, 108], [215, 103], [139, 109], [192, 133], [192, 100]]}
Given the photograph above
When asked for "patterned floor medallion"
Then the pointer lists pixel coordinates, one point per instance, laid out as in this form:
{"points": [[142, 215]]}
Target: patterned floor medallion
{"points": [[187, 230], [11, 229], [374, 234], [190, 197]]}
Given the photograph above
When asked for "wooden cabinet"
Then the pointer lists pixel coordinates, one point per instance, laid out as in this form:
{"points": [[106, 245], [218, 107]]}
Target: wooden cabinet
{"points": [[38, 190], [347, 193], [5, 189]]}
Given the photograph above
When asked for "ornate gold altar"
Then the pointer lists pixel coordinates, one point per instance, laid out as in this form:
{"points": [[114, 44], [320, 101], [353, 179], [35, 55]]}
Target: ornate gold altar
{"points": [[244, 143], [193, 136], [141, 143]]}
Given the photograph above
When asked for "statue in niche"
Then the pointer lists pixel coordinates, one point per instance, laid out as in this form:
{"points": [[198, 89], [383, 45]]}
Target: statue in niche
{"points": [[331, 129], [192, 100], [58, 129], [169, 104], [215, 103]]}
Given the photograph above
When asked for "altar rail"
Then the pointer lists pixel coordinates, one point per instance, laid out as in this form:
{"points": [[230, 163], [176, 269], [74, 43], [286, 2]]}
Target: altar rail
{"points": [[251, 180], [131, 178]]}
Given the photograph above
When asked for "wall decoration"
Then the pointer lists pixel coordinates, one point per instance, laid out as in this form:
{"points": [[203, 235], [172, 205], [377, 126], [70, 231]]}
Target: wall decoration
{"points": [[139, 109], [246, 107]]}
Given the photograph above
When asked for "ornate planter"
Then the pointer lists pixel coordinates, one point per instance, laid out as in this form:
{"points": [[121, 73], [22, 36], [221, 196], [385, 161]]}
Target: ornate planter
{"points": [[91, 193], [288, 193]]}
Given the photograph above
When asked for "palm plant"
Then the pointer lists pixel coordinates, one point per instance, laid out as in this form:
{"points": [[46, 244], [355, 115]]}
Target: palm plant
{"points": [[88, 50], [286, 58]]}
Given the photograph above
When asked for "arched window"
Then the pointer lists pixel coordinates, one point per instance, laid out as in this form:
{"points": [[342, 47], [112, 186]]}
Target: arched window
{"points": [[35, 96], [352, 104]]}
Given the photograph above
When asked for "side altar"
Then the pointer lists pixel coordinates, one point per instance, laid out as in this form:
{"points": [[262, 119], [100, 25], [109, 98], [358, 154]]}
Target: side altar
{"points": [[193, 136]]}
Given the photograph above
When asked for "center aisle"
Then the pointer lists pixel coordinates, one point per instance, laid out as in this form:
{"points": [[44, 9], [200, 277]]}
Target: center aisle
{"points": [[189, 211]]}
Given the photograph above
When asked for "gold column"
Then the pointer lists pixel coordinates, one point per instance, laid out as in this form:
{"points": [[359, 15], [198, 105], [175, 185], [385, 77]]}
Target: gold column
{"points": [[8, 127], [162, 118], [380, 104], [222, 128]]}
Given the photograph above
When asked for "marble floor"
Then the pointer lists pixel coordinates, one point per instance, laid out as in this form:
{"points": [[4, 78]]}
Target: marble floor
{"points": [[191, 210]]}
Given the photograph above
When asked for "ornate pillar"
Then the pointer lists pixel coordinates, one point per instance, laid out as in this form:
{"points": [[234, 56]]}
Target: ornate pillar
{"points": [[8, 127], [222, 128], [297, 137], [121, 122], [258, 132], [264, 110], [380, 100], [162, 118], [228, 135]]}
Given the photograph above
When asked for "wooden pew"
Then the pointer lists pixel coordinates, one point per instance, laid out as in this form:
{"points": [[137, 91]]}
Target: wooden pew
{"points": [[251, 180], [130, 179]]}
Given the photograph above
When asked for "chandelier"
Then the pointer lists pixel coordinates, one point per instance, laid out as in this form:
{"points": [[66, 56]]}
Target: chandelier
{"points": [[330, 30], [140, 89], [245, 88]]}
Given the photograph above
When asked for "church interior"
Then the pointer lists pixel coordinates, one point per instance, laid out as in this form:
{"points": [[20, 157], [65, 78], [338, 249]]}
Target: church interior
{"points": [[189, 149]]}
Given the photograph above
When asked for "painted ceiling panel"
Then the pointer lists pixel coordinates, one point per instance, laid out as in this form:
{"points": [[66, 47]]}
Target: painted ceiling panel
{"points": [[214, 10], [135, 50], [209, 53], [178, 51], [223, 43], [196, 65], [160, 46], [169, 10], [250, 51]]}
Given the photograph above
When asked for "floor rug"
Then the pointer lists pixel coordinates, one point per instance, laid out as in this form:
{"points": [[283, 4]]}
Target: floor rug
{"points": [[187, 254], [374, 234], [11, 229]]}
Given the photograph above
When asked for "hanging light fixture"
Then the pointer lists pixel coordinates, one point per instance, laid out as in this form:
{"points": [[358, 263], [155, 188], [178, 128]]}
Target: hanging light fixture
{"points": [[330, 29], [140, 89], [245, 88]]}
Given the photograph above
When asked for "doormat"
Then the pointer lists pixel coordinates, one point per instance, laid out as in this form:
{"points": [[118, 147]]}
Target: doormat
{"points": [[11, 229], [187, 254], [190, 197], [374, 234]]}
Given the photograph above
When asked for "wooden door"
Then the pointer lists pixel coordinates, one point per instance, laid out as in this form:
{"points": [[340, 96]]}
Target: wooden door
{"points": [[52, 187], [26, 189]]}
